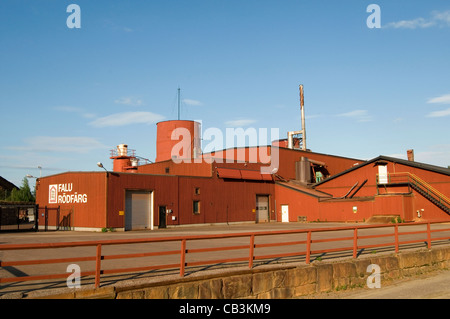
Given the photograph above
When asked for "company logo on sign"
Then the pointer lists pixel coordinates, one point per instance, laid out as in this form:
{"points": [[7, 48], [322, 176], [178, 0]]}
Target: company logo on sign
{"points": [[63, 194], [53, 194]]}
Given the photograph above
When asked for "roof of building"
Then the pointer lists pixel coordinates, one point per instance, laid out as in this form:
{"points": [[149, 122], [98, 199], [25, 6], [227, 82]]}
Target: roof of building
{"points": [[5, 184], [381, 158], [294, 185]]}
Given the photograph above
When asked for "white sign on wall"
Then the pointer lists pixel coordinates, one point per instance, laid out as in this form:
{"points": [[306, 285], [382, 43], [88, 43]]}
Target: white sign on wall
{"points": [[64, 194]]}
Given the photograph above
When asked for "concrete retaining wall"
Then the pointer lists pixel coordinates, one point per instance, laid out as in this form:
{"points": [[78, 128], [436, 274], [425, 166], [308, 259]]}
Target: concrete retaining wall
{"points": [[284, 281]]}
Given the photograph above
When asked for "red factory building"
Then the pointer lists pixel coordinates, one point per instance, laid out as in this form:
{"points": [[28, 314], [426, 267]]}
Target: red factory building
{"points": [[235, 185]]}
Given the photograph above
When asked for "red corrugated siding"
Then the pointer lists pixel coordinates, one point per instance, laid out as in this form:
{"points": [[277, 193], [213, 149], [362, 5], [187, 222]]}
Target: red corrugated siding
{"points": [[220, 201], [404, 205], [233, 198], [165, 143], [182, 169], [243, 174], [164, 190], [339, 210], [299, 204], [334, 164], [339, 186], [89, 214]]}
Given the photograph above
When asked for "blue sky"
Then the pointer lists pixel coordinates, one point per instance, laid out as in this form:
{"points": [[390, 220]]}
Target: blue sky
{"points": [[70, 95]]}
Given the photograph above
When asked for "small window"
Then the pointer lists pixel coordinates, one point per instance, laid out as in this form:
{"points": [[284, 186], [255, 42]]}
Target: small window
{"points": [[196, 207], [167, 170], [197, 191]]}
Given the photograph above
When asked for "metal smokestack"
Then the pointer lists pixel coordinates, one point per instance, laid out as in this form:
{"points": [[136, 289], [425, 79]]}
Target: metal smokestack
{"points": [[299, 136], [302, 110]]}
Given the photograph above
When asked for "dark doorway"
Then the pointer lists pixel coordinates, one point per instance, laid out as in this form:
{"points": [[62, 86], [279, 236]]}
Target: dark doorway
{"points": [[162, 217]]}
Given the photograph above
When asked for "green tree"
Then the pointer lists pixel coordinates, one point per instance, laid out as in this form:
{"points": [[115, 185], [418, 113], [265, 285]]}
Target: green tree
{"points": [[23, 194], [4, 194]]}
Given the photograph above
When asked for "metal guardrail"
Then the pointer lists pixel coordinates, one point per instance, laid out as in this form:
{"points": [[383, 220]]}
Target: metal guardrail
{"points": [[183, 251]]}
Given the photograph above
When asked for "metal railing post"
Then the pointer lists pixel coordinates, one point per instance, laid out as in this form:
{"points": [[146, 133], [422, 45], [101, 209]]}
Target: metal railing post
{"points": [[355, 242], [36, 218], [58, 217], [183, 257], [396, 238], [98, 263], [18, 218], [308, 247], [46, 218], [429, 235], [252, 251]]}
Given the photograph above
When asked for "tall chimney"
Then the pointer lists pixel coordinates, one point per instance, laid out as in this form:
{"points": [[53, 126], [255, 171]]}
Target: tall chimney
{"points": [[302, 110], [410, 154]]}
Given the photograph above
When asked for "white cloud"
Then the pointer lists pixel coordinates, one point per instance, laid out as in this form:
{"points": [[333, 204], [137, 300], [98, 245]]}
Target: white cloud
{"points": [[75, 144], [438, 155], [192, 102], [443, 99], [442, 17], [71, 109], [439, 19], [435, 155], [127, 118], [312, 116], [131, 101], [411, 24], [358, 115], [439, 113], [239, 123]]}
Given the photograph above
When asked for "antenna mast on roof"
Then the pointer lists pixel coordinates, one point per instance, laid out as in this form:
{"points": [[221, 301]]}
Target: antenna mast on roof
{"points": [[178, 103]]}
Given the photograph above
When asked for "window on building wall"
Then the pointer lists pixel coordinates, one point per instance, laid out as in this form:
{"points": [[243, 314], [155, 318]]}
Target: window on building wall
{"points": [[197, 191], [196, 207], [167, 170]]}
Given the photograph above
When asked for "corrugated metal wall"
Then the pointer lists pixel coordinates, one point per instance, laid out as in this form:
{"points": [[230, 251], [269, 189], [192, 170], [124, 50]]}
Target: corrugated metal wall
{"points": [[392, 201], [334, 164], [221, 200], [82, 194]]}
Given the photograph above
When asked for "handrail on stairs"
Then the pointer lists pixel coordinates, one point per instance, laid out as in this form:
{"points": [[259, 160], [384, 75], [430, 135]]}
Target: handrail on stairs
{"points": [[415, 180]]}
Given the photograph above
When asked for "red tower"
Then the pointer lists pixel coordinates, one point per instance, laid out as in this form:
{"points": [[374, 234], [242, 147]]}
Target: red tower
{"points": [[170, 134], [122, 160]]}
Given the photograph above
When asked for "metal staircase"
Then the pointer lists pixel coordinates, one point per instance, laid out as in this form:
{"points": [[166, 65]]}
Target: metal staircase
{"points": [[421, 187]]}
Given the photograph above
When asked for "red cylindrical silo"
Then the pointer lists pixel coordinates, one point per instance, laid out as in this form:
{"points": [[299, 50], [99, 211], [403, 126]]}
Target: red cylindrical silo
{"points": [[172, 135]]}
